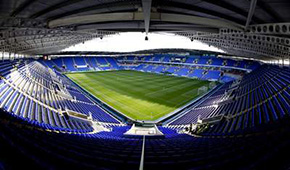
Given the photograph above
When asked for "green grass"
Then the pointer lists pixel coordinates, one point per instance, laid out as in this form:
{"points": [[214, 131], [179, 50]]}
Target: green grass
{"points": [[142, 96]]}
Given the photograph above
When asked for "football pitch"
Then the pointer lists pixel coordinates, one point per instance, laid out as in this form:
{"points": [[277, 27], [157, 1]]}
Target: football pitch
{"points": [[139, 95]]}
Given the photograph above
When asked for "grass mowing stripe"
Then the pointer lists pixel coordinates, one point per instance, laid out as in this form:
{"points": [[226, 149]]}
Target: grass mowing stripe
{"points": [[142, 96], [118, 101]]}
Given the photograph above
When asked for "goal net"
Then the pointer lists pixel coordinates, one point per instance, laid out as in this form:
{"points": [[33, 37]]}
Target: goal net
{"points": [[212, 85], [202, 90]]}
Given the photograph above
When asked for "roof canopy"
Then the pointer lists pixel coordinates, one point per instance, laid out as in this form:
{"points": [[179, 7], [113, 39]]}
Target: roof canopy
{"points": [[250, 28]]}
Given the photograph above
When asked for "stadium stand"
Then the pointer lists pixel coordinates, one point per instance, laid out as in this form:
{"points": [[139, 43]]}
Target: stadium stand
{"points": [[109, 63], [36, 94], [246, 104], [110, 150], [159, 108], [37, 101], [214, 105]]}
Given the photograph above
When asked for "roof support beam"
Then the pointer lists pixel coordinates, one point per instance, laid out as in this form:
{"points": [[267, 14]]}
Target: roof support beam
{"points": [[134, 4], [226, 5], [137, 16], [179, 8], [100, 8], [251, 13], [54, 7], [267, 8], [146, 6], [21, 7], [132, 26]]}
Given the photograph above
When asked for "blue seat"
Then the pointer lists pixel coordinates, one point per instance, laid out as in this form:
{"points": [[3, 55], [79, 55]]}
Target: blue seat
{"points": [[279, 107], [30, 113], [11, 99], [6, 94], [17, 104], [285, 104], [266, 113], [24, 107], [273, 110]]}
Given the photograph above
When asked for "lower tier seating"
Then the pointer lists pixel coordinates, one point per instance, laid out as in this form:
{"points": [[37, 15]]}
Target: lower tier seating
{"points": [[39, 95], [35, 149]]}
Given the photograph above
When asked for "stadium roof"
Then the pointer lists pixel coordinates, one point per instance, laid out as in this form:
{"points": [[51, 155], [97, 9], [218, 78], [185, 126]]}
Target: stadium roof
{"points": [[140, 52], [250, 28]]}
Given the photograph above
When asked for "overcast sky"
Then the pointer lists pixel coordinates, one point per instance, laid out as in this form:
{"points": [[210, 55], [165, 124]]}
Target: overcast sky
{"points": [[134, 41]]}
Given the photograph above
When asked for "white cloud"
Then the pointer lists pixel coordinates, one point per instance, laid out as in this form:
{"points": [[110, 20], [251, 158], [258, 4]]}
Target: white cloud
{"points": [[134, 41]]}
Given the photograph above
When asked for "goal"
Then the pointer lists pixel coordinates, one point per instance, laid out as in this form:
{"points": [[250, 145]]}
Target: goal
{"points": [[212, 85], [202, 90]]}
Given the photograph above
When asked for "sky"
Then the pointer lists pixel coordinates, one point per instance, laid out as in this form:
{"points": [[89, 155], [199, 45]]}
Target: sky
{"points": [[134, 41]]}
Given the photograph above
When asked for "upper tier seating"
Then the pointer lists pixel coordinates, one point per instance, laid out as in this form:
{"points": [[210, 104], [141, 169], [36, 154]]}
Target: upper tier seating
{"points": [[80, 61], [189, 60], [147, 58], [217, 61], [209, 68], [129, 57], [166, 59], [59, 62], [212, 74], [101, 61], [70, 64], [202, 60], [92, 62], [156, 58], [112, 62]]}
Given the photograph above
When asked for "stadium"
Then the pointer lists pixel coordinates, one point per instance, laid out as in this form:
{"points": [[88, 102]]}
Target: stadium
{"points": [[157, 108]]}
